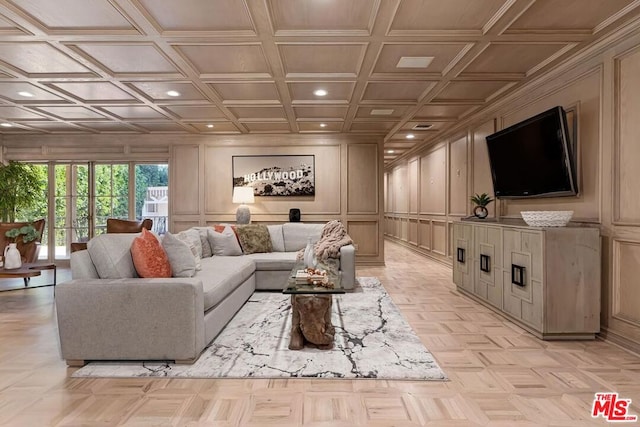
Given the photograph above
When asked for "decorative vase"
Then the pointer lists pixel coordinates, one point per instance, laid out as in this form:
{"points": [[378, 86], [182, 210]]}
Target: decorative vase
{"points": [[12, 258], [308, 254], [480, 212]]}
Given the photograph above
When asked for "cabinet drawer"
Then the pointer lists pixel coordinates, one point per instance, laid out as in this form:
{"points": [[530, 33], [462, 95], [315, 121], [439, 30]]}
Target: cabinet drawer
{"points": [[487, 264], [462, 256], [523, 276]]}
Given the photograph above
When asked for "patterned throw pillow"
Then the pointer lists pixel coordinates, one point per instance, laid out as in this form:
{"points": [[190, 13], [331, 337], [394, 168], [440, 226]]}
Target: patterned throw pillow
{"points": [[254, 238], [149, 259]]}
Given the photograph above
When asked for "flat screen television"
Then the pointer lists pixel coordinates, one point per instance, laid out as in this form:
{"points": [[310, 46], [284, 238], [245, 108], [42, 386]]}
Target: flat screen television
{"points": [[533, 158]]}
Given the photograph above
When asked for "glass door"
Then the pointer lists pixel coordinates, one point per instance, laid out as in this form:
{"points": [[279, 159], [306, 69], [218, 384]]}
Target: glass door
{"points": [[111, 197], [152, 195], [71, 201]]}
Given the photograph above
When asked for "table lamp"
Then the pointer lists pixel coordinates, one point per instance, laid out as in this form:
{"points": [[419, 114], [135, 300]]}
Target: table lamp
{"points": [[243, 195]]}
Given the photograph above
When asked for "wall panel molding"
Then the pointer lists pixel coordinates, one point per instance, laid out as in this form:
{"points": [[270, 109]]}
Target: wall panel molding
{"points": [[626, 150], [625, 292]]}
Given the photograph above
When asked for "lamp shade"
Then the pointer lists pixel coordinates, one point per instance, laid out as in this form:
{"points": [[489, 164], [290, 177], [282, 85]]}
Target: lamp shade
{"points": [[243, 195]]}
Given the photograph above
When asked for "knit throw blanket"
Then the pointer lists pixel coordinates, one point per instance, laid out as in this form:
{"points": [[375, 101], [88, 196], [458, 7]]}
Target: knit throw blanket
{"points": [[333, 237]]}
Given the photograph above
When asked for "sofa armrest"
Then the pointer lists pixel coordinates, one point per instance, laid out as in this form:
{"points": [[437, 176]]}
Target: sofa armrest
{"points": [[131, 319], [348, 266]]}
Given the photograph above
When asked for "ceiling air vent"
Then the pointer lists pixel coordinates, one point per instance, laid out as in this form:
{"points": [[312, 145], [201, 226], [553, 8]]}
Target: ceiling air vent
{"points": [[422, 126], [381, 112]]}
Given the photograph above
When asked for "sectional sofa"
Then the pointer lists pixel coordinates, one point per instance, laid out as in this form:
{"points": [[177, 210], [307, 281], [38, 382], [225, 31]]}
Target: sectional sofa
{"points": [[106, 312]]}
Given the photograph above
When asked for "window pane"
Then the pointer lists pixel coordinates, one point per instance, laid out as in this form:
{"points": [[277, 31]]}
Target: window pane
{"points": [[152, 194]]}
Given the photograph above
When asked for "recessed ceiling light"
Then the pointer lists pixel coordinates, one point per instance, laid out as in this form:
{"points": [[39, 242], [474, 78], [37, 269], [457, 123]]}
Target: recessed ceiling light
{"points": [[25, 94], [390, 151], [323, 125], [381, 112], [414, 62], [6, 125], [210, 126], [410, 136], [173, 93], [320, 92]]}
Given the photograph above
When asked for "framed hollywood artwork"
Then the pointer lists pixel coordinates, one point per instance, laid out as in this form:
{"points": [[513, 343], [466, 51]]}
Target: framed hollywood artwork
{"points": [[286, 175]]}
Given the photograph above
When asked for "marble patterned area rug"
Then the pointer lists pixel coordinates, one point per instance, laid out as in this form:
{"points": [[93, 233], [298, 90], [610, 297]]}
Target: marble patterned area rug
{"points": [[372, 340]]}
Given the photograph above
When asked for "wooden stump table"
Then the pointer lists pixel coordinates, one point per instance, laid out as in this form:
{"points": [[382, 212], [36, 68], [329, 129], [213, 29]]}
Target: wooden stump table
{"points": [[311, 311], [311, 321]]}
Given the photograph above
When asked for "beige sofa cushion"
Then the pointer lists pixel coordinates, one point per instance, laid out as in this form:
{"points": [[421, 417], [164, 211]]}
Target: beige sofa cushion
{"points": [[111, 255], [277, 261], [296, 234], [220, 275], [277, 238]]}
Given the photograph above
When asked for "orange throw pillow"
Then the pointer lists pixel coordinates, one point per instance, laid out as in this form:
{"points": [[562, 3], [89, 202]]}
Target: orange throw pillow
{"points": [[149, 258]]}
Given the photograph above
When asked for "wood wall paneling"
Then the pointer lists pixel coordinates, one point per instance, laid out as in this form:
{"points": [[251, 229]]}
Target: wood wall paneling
{"points": [[439, 237], [413, 231], [433, 194], [362, 179], [481, 181], [404, 229], [626, 292], [414, 185], [458, 200], [424, 234], [185, 172], [181, 225], [401, 189], [626, 147], [365, 236], [385, 186]]}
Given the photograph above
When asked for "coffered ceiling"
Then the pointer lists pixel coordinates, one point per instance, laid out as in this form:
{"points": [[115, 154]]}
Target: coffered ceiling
{"points": [[252, 66]]}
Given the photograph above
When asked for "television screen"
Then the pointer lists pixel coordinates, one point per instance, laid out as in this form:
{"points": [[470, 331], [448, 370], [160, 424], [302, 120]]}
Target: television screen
{"points": [[533, 158]]}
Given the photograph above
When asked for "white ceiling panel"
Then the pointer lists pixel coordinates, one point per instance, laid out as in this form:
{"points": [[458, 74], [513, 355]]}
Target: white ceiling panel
{"points": [[198, 15], [75, 14]]}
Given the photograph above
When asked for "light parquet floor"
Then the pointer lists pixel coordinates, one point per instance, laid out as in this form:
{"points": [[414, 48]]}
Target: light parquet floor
{"points": [[499, 374]]}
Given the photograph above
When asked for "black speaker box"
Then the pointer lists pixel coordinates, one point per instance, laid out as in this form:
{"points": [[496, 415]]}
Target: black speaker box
{"points": [[294, 215]]}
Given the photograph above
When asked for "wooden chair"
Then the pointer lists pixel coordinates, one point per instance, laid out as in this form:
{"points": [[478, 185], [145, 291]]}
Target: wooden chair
{"points": [[115, 225], [28, 251], [125, 226]]}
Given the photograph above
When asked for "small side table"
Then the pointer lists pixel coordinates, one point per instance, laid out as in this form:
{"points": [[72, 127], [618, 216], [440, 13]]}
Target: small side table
{"points": [[26, 272]]}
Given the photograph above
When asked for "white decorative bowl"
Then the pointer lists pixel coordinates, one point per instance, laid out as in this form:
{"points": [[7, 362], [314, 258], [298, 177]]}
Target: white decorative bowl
{"points": [[546, 218]]}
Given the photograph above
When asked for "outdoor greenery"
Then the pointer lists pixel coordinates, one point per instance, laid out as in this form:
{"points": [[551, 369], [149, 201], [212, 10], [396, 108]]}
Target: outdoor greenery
{"points": [[111, 189], [21, 186]]}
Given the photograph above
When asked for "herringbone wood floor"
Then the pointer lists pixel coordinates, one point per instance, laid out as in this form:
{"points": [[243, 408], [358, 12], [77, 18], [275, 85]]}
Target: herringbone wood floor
{"points": [[499, 374]]}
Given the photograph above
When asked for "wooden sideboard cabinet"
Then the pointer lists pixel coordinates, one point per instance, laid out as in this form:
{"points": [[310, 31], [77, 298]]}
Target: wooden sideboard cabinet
{"points": [[547, 280]]}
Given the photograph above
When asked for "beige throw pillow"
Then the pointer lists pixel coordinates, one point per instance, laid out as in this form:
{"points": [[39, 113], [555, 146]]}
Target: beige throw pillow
{"points": [[180, 256], [225, 243]]}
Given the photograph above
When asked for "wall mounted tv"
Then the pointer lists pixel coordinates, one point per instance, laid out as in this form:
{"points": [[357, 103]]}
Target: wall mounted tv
{"points": [[533, 158]]}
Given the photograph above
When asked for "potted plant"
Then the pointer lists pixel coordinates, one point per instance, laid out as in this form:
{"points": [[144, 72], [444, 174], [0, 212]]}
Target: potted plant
{"points": [[24, 243], [26, 233], [20, 187], [481, 201]]}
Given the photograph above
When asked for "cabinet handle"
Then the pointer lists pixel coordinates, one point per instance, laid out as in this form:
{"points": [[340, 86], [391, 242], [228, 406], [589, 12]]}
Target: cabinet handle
{"points": [[485, 263], [460, 255], [517, 275]]}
